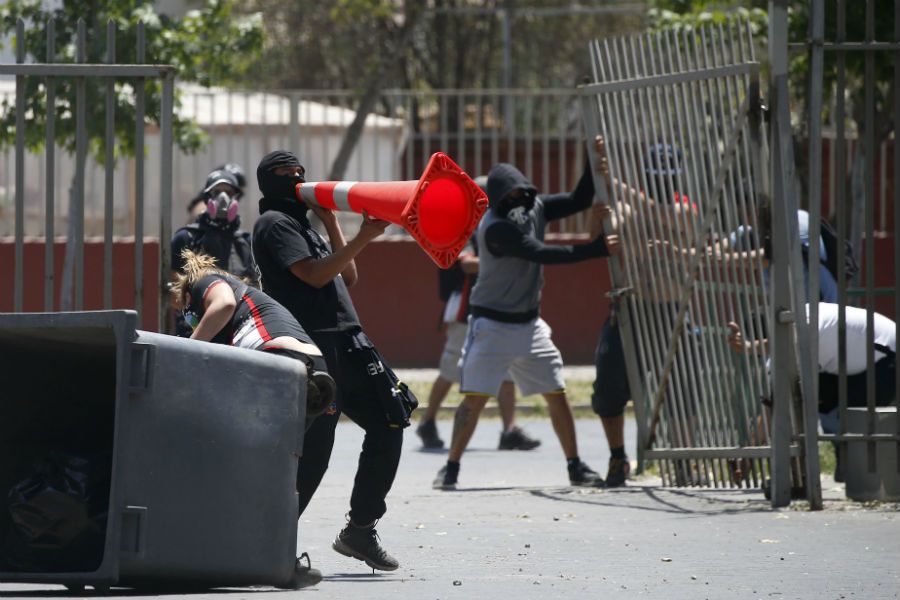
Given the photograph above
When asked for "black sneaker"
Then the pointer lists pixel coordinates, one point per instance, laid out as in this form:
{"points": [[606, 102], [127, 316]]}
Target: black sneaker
{"points": [[320, 392], [583, 476], [427, 430], [618, 471], [516, 439], [445, 480], [362, 544], [304, 575]]}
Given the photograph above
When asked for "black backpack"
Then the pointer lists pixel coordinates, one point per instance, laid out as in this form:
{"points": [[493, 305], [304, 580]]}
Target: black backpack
{"points": [[835, 253]]}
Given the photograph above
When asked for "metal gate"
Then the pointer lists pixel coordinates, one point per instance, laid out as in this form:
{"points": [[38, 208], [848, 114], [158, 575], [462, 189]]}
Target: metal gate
{"points": [[51, 74], [680, 113], [868, 437]]}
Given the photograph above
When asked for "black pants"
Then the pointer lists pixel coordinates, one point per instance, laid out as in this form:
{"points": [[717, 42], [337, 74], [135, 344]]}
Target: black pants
{"points": [[380, 456], [857, 392]]}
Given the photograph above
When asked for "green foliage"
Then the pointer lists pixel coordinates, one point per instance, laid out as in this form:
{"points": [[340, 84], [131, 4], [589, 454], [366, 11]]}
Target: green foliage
{"points": [[689, 15], [208, 46]]}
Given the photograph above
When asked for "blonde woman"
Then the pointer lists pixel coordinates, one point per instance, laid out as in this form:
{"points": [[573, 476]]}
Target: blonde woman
{"points": [[222, 309]]}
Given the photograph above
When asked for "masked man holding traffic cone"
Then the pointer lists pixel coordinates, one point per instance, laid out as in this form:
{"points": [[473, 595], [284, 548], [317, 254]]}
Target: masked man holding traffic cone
{"points": [[310, 277]]}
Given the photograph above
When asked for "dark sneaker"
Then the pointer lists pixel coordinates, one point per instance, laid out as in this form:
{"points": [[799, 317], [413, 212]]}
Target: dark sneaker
{"points": [[320, 392], [516, 439], [583, 476], [618, 471], [362, 544], [304, 575], [445, 480], [427, 430]]}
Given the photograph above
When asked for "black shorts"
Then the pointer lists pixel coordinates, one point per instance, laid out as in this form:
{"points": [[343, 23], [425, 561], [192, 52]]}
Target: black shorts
{"points": [[611, 392]]}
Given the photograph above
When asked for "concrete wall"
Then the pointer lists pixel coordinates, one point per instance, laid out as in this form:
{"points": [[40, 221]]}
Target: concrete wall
{"points": [[396, 297]]}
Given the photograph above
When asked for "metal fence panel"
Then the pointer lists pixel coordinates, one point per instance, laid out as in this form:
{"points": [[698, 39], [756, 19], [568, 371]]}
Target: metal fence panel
{"points": [[678, 112]]}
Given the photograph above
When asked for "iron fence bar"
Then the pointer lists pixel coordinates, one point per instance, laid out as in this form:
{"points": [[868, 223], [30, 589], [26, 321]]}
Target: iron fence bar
{"points": [[722, 410], [860, 437], [841, 226], [664, 79], [869, 151], [762, 183], [869, 47], [50, 174], [479, 115], [460, 132], [717, 452], [735, 271], [633, 250], [109, 159], [139, 92], [165, 224], [816, 70], [650, 220], [86, 70], [897, 203], [788, 288], [696, 371], [545, 138], [644, 228], [19, 266], [80, 164], [590, 110], [694, 263], [746, 275], [629, 304]]}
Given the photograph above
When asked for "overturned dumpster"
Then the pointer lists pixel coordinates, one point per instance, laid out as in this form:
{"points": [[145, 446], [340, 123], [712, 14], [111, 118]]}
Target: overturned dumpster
{"points": [[138, 459]]}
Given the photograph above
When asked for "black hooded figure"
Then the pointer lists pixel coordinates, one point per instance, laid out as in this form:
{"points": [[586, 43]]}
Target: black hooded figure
{"points": [[217, 233], [506, 333], [310, 276]]}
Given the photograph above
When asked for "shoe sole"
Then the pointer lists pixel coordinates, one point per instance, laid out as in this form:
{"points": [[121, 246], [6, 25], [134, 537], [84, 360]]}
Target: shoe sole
{"points": [[521, 447], [303, 577], [590, 484], [341, 548], [445, 487]]}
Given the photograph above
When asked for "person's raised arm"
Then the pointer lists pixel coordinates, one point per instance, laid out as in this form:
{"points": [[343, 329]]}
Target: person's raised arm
{"points": [[218, 308], [318, 272], [558, 206], [504, 239]]}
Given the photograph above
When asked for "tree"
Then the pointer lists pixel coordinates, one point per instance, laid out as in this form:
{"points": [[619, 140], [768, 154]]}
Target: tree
{"points": [[208, 46]]}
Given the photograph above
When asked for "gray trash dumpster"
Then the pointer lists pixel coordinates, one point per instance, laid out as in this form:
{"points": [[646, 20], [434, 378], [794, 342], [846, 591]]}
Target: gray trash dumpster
{"points": [[172, 462]]}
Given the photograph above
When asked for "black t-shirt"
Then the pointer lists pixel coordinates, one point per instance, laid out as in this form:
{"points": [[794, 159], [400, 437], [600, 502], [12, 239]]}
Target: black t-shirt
{"points": [[280, 240], [256, 319], [228, 245]]}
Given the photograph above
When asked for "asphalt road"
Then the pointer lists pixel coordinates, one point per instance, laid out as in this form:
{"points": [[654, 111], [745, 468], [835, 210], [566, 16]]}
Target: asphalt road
{"points": [[516, 528]]}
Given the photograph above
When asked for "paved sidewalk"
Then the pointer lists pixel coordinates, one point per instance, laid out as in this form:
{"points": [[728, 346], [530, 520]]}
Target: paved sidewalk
{"points": [[517, 529]]}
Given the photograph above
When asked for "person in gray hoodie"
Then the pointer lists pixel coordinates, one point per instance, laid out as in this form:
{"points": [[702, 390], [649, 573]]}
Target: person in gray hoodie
{"points": [[506, 332]]}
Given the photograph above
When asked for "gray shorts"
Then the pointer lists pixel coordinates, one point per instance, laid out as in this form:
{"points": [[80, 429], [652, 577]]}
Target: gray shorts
{"points": [[449, 365], [523, 350]]}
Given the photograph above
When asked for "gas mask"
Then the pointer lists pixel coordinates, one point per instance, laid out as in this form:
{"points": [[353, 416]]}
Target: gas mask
{"points": [[222, 208]]}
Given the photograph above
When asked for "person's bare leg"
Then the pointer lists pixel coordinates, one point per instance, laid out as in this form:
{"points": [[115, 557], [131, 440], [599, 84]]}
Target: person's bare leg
{"points": [[439, 390], [506, 402], [614, 428], [563, 422], [464, 422]]}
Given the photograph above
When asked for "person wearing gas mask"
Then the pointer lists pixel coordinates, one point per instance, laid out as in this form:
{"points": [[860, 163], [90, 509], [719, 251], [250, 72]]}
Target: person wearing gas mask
{"points": [[310, 277], [216, 233], [506, 333]]}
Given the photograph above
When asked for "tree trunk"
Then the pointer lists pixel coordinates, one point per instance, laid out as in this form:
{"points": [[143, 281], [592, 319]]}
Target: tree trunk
{"points": [[370, 99]]}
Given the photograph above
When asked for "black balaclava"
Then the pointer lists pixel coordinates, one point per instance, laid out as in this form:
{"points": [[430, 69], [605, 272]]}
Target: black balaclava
{"points": [[503, 179], [278, 187]]}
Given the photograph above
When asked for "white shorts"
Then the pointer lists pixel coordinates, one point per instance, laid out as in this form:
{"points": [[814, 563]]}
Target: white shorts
{"points": [[449, 365], [523, 350]]}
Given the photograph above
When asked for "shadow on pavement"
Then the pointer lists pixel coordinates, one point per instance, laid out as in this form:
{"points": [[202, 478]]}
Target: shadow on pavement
{"points": [[653, 498]]}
